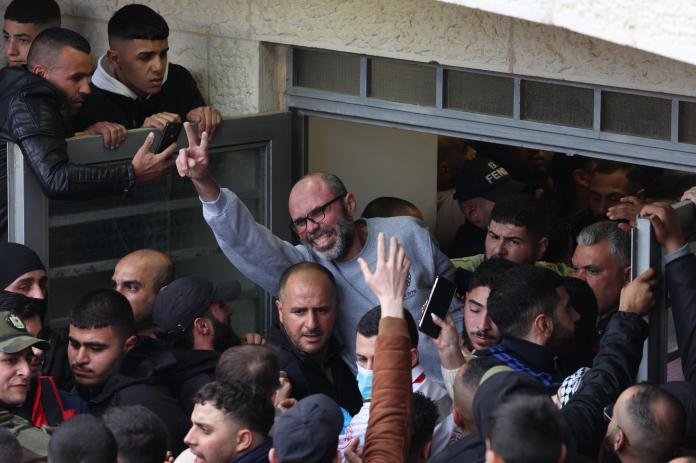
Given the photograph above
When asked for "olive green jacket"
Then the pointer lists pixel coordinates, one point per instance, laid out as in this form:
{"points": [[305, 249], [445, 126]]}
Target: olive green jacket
{"points": [[32, 439], [471, 263]]}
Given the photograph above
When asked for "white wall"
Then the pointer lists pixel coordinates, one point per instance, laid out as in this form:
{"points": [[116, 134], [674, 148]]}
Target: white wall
{"points": [[377, 161]]}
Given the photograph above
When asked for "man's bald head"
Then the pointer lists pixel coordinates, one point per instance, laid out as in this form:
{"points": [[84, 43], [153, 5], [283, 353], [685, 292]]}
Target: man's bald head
{"points": [[651, 420], [309, 271], [140, 276]]}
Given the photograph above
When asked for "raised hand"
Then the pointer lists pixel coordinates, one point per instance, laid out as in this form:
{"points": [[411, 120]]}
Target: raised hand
{"points": [[665, 222], [193, 162], [447, 343], [388, 281], [627, 210], [639, 295]]}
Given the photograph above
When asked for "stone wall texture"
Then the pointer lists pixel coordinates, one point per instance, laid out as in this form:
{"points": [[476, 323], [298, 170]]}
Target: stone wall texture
{"points": [[224, 42]]}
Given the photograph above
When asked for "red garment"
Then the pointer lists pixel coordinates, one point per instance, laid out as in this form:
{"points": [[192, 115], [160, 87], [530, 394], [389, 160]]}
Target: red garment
{"points": [[48, 409]]}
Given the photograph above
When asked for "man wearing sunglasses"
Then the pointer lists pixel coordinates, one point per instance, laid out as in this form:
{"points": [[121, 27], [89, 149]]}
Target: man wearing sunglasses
{"points": [[323, 216]]}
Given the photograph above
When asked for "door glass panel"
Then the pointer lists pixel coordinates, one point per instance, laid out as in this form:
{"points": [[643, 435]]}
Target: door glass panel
{"points": [[87, 238]]}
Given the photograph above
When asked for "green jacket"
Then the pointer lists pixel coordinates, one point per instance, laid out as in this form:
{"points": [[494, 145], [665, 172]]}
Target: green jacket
{"points": [[32, 439], [471, 263]]}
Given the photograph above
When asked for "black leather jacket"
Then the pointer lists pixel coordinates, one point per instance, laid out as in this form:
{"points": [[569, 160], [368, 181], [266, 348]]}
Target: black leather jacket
{"points": [[32, 115]]}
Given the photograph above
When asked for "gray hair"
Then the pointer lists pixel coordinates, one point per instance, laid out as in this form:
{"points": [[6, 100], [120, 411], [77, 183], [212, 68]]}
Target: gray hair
{"points": [[619, 241]]}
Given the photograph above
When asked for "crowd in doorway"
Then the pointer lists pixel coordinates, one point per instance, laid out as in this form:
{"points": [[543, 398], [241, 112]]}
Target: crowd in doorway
{"points": [[532, 358]]}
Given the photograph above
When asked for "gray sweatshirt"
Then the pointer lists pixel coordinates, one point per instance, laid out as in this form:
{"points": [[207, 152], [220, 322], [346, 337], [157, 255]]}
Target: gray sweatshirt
{"points": [[262, 257]]}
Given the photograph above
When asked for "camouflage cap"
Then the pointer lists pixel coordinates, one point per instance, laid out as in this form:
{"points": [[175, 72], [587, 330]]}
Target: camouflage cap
{"points": [[13, 335]]}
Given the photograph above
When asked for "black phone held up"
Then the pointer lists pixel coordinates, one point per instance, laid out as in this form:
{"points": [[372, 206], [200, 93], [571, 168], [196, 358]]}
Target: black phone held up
{"points": [[169, 136], [438, 303]]}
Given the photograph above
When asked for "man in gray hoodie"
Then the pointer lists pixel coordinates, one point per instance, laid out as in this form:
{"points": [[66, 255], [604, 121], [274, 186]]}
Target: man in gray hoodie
{"points": [[323, 216]]}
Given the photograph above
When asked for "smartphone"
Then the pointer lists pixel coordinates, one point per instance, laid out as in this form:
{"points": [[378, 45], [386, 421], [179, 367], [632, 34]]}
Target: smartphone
{"points": [[438, 303], [169, 136]]}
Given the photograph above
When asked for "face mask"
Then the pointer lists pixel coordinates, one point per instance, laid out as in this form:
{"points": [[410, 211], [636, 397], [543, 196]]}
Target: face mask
{"points": [[365, 382]]}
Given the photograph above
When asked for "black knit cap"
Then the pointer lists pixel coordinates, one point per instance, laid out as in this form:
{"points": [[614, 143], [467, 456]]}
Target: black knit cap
{"points": [[16, 260]]}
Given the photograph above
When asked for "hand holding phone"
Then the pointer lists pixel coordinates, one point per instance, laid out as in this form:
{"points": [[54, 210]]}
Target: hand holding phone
{"points": [[438, 303], [169, 135]]}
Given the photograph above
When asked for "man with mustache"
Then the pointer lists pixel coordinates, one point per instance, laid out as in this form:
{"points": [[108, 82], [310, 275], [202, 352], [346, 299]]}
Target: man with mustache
{"points": [[135, 85], [322, 214], [309, 354], [114, 366], [32, 109], [15, 372]]}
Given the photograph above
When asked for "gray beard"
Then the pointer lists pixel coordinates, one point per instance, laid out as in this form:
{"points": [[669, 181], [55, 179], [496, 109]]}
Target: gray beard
{"points": [[345, 228]]}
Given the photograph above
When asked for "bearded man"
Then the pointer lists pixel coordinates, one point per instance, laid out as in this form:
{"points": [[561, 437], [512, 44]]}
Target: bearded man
{"points": [[322, 213]]}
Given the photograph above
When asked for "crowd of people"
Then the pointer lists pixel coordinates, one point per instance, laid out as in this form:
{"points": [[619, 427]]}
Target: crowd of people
{"points": [[535, 361]]}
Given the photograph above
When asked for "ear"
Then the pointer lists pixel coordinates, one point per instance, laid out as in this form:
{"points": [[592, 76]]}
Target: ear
{"points": [[245, 440], [627, 273], [202, 326], [564, 453], [351, 204], [581, 177], [40, 70], [619, 441], [470, 210], [113, 58], [130, 343], [272, 457], [457, 417], [543, 326], [414, 357], [542, 246], [425, 451], [279, 306]]}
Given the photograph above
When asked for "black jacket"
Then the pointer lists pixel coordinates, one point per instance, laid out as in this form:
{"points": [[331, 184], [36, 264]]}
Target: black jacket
{"points": [[680, 276], [527, 357], [32, 115], [613, 370], [308, 377], [143, 378], [179, 95]]}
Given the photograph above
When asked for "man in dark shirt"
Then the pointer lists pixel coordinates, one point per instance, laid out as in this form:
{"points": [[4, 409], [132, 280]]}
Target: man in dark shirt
{"points": [[135, 85], [309, 353], [32, 109]]}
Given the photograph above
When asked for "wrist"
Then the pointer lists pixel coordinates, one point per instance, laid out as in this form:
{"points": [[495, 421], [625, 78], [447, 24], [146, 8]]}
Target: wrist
{"points": [[391, 308]]}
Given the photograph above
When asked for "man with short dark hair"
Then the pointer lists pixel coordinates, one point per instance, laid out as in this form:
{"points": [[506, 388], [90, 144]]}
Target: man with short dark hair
{"points": [[365, 344], [389, 206], [250, 363], [309, 353], [230, 424], [140, 276], [112, 366], [135, 85], [139, 433], [470, 447], [611, 181], [24, 20], [425, 417], [60, 66], [532, 309], [518, 231], [526, 429], [646, 424], [83, 439]]}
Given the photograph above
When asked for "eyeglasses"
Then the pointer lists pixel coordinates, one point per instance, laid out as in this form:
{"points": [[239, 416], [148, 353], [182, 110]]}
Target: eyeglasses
{"points": [[608, 412], [316, 216]]}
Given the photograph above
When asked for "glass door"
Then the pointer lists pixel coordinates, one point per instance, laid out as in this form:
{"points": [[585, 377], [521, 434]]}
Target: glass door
{"points": [[81, 241]]}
